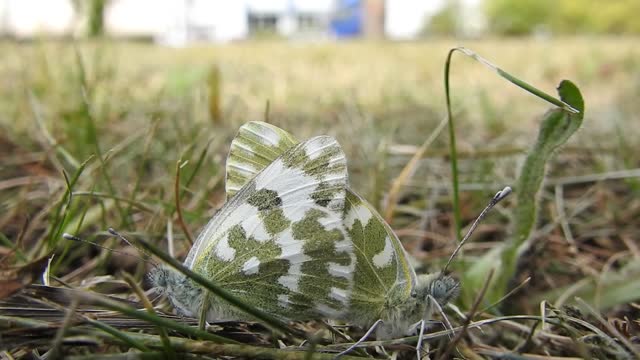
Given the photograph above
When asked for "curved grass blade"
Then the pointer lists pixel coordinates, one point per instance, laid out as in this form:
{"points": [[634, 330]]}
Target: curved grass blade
{"points": [[561, 103], [556, 128]]}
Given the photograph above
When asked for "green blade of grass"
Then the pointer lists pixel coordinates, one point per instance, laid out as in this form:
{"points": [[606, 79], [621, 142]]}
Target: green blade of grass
{"points": [[182, 345], [60, 213], [152, 318], [561, 103]]}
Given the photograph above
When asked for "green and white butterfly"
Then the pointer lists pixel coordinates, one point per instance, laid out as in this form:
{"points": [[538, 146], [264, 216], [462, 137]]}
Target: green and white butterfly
{"points": [[293, 240]]}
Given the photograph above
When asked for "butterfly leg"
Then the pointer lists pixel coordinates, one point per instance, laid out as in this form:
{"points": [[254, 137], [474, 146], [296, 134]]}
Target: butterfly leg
{"points": [[420, 335], [362, 339], [438, 308]]}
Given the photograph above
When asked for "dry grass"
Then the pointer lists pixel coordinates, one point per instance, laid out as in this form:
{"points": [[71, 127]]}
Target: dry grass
{"points": [[138, 109]]}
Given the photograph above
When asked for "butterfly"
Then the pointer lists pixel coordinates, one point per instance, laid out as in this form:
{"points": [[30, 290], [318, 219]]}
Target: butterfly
{"points": [[295, 241]]}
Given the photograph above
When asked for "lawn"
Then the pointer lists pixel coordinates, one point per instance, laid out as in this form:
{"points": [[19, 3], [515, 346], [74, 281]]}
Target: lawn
{"points": [[128, 126]]}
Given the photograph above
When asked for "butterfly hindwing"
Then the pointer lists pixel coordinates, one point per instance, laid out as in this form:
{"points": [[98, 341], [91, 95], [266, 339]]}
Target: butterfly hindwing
{"points": [[382, 265], [382, 269], [279, 243]]}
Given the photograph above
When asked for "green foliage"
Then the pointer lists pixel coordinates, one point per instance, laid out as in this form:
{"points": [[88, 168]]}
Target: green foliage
{"points": [[445, 21], [213, 83], [555, 130], [513, 17], [510, 17], [96, 17]]}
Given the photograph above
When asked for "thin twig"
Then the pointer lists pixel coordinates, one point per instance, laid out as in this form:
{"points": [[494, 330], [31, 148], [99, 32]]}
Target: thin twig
{"points": [[176, 189]]}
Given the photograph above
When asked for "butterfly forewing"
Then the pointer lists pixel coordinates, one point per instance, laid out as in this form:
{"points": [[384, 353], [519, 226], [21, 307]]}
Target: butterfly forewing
{"points": [[279, 243], [255, 147]]}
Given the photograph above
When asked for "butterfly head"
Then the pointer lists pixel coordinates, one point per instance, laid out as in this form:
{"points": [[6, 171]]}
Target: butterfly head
{"points": [[439, 287], [181, 291], [444, 289], [431, 292], [159, 277]]}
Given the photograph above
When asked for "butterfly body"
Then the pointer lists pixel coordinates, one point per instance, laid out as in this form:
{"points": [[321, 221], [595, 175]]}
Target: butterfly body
{"points": [[294, 241]]}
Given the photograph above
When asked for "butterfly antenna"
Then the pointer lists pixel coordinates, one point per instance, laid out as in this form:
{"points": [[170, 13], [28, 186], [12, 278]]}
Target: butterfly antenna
{"points": [[496, 199], [75, 238], [113, 232]]}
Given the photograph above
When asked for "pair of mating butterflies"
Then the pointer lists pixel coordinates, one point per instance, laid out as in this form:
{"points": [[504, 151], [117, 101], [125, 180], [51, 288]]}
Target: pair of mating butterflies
{"points": [[293, 240]]}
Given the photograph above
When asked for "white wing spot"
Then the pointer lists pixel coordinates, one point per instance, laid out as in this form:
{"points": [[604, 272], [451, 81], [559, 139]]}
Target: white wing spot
{"points": [[292, 185], [255, 228], [289, 281], [360, 212], [344, 271], [383, 258], [251, 266], [223, 250], [339, 294], [292, 251], [265, 135], [315, 149], [283, 300], [329, 223]]}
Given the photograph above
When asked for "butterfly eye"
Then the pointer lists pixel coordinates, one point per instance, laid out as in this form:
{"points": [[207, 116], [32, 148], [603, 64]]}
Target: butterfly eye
{"points": [[444, 289], [414, 294]]}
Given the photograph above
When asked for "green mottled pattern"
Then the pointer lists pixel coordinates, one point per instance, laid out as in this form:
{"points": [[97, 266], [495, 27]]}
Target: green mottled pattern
{"points": [[255, 146], [265, 199], [302, 250], [260, 289], [320, 247], [372, 286], [318, 166]]}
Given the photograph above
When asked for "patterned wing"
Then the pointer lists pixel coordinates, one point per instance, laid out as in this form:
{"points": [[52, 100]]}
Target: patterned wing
{"points": [[382, 268], [280, 243], [256, 145], [382, 265]]}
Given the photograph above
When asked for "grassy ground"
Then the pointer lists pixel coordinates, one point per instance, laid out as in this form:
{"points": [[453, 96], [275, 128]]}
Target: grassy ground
{"points": [[134, 110]]}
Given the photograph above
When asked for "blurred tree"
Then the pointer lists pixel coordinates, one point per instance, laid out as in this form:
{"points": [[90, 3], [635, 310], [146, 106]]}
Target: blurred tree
{"points": [[445, 21], [615, 16], [515, 17], [92, 12], [96, 18]]}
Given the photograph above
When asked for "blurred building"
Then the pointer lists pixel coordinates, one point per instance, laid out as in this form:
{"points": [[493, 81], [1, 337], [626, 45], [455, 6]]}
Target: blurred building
{"points": [[180, 22]]}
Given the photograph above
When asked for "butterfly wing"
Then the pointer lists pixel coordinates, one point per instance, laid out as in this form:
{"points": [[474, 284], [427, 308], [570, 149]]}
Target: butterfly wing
{"points": [[279, 242], [382, 266], [256, 145]]}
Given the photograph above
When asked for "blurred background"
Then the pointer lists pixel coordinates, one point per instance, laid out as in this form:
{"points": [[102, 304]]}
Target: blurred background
{"points": [[133, 87], [184, 22]]}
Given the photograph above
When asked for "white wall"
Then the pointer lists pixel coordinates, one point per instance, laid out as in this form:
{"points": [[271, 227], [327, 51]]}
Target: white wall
{"points": [[405, 18], [137, 17], [231, 20], [218, 20], [26, 18]]}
